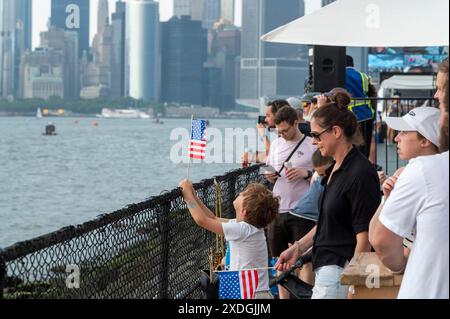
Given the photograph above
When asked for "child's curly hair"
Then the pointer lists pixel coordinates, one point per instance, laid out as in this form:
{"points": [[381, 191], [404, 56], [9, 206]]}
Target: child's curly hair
{"points": [[260, 204]]}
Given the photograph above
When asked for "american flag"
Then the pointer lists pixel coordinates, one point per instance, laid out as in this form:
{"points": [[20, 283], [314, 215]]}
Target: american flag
{"points": [[238, 284], [198, 139]]}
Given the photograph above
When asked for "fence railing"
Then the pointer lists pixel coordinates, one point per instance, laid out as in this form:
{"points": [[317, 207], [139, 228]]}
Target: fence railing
{"points": [[150, 250]]}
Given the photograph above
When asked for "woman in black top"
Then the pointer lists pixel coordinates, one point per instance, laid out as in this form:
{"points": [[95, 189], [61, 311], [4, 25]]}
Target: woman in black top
{"points": [[350, 198]]}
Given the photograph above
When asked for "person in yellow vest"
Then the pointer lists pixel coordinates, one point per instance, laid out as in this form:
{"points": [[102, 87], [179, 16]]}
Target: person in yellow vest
{"points": [[357, 84]]}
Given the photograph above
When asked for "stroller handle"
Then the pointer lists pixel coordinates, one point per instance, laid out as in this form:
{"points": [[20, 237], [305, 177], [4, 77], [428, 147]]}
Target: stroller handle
{"points": [[304, 259]]}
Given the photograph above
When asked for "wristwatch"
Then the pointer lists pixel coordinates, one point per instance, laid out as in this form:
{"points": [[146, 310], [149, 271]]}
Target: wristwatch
{"points": [[310, 174]]}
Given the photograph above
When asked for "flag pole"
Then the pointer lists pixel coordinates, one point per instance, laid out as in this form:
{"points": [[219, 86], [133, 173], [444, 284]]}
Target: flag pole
{"points": [[189, 151], [251, 269]]}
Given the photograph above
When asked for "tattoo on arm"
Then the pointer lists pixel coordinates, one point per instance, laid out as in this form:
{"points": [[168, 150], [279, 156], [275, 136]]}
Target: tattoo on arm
{"points": [[191, 205]]}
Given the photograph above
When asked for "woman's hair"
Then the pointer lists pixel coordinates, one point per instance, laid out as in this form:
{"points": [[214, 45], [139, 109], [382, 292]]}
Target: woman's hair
{"points": [[336, 113], [319, 160], [261, 205], [286, 114]]}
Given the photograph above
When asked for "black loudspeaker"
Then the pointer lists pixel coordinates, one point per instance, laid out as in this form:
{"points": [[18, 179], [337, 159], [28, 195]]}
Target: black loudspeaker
{"points": [[328, 67]]}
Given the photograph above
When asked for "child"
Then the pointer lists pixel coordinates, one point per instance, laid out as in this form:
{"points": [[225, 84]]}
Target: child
{"points": [[256, 208], [308, 206]]}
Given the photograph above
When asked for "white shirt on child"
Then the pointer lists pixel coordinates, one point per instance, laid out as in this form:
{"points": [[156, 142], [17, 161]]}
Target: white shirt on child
{"points": [[420, 199], [248, 249], [290, 192]]}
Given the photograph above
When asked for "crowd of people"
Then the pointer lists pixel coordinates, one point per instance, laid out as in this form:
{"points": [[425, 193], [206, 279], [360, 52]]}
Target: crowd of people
{"points": [[328, 198]]}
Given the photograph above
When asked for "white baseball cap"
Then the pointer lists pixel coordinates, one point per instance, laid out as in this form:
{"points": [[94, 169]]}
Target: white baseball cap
{"points": [[424, 120]]}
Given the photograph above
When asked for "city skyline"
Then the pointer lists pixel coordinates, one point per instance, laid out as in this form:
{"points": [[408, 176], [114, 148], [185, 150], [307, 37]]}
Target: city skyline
{"points": [[42, 10]]}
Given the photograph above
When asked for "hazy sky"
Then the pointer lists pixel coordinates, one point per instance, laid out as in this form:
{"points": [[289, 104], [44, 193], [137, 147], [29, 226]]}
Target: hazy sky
{"points": [[42, 9]]}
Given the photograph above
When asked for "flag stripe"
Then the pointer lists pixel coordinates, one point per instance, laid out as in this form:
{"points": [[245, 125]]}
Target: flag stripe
{"points": [[242, 285], [197, 157], [198, 140], [196, 149]]}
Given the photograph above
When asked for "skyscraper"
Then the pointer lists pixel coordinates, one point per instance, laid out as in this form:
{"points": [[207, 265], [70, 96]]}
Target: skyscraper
{"points": [[211, 13], [181, 8], [7, 35], [270, 69], [197, 9], [23, 38], [73, 15], [227, 10], [118, 68], [143, 49], [184, 47], [53, 68], [102, 15], [15, 38]]}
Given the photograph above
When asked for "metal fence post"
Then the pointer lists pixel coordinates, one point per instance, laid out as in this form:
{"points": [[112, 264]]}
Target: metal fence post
{"points": [[164, 223], [231, 192], [2, 275]]}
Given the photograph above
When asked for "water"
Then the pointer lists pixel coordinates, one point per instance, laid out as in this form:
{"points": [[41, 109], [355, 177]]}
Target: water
{"points": [[49, 182]]}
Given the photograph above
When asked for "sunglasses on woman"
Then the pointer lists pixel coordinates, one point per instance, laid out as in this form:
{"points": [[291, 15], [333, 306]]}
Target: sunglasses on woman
{"points": [[316, 136]]}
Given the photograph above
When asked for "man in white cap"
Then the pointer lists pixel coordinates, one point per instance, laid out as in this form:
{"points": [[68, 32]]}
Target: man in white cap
{"points": [[418, 132], [416, 198]]}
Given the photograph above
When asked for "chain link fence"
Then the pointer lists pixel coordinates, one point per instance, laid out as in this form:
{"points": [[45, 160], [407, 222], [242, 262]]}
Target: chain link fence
{"points": [[150, 250]]}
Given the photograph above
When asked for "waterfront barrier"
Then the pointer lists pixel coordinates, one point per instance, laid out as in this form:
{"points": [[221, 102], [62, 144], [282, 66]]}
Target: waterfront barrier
{"points": [[149, 250]]}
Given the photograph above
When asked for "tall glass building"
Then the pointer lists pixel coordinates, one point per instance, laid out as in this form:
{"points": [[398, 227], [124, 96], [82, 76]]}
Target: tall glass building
{"points": [[270, 69], [73, 15], [144, 49], [15, 38]]}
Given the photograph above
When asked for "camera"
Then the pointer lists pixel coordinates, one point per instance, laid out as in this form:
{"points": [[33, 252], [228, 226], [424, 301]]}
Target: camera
{"points": [[262, 119]]}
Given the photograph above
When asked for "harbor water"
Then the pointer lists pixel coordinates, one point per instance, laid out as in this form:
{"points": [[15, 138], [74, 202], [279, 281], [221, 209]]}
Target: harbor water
{"points": [[49, 182]]}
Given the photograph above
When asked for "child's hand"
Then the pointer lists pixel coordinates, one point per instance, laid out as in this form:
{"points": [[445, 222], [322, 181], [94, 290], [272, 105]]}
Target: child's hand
{"points": [[187, 189]]}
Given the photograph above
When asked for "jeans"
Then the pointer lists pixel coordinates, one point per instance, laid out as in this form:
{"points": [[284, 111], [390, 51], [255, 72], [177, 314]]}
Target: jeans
{"points": [[266, 294], [327, 284]]}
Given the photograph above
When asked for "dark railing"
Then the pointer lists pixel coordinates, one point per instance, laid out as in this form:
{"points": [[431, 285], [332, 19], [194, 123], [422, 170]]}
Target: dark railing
{"points": [[150, 250]]}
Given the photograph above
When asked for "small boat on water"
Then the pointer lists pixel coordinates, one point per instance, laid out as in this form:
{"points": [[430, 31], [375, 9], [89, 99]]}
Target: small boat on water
{"points": [[39, 113], [123, 114], [45, 112], [50, 130]]}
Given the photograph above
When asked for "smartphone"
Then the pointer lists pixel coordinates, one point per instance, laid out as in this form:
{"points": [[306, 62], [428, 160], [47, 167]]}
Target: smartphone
{"points": [[262, 119], [267, 169]]}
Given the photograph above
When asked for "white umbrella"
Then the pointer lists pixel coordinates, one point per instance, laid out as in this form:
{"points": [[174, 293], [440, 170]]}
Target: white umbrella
{"points": [[370, 23]]}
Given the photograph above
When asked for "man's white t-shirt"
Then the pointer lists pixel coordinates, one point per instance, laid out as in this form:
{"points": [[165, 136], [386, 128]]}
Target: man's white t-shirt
{"points": [[290, 192], [248, 249], [420, 199]]}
